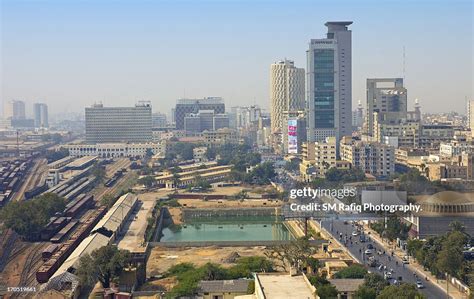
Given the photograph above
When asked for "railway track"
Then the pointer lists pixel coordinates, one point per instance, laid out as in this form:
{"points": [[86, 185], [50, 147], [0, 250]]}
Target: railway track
{"points": [[28, 273]]}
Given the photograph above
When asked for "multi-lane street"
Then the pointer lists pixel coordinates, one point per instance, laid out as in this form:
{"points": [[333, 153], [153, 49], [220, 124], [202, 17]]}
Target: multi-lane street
{"points": [[389, 263]]}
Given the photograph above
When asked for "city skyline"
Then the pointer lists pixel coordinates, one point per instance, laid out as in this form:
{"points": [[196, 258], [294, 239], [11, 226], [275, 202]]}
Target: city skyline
{"points": [[50, 55]]}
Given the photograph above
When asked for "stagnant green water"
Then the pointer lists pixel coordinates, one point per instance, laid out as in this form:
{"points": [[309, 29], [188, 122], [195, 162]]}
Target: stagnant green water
{"points": [[242, 228]]}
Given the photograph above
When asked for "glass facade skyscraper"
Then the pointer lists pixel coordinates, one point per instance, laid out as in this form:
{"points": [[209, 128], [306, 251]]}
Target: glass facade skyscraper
{"points": [[329, 84]]}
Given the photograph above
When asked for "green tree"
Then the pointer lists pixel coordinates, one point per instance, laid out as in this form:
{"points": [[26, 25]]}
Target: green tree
{"points": [[148, 181], [403, 291], [375, 281], [108, 200], [98, 172], [450, 258], [326, 291], [353, 271], [103, 264], [28, 218], [365, 292]]}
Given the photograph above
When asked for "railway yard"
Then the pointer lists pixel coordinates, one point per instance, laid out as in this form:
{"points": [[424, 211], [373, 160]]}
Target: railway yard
{"points": [[28, 264]]}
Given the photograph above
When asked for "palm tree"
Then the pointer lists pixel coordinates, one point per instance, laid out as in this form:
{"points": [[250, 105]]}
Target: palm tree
{"points": [[457, 226]]}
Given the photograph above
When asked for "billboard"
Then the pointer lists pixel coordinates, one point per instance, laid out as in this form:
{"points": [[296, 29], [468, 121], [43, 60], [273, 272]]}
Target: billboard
{"points": [[292, 136]]}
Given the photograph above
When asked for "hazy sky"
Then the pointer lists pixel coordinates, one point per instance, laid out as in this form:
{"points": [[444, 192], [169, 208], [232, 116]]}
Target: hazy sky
{"points": [[70, 54]]}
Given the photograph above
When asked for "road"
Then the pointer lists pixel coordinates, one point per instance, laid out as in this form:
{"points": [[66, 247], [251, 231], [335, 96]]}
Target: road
{"points": [[357, 249]]}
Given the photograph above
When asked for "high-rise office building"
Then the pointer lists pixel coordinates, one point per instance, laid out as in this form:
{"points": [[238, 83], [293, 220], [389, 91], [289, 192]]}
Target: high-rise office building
{"points": [[387, 97], [119, 124], [14, 110], [205, 120], [329, 83], [358, 116], [159, 120], [286, 91], [192, 106], [40, 112]]}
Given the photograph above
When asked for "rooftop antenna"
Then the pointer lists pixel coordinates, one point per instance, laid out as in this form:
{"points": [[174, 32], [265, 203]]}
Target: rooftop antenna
{"points": [[404, 64]]}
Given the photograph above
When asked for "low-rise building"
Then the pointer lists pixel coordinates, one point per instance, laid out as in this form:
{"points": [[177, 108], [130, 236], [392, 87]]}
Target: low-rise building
{"points": [[188, 177], [199, 154], [281, 286], [112, 150], [220, 137], [223, 289], [346, 287], [371, 157]]}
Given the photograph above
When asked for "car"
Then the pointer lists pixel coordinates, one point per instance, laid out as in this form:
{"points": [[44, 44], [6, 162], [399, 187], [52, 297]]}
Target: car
{"points": [[368, 251], [379, 252], [405, 260], [388, 275], [419, 285], [362, 238], [355, 233], [370, 246], [345, 222]]}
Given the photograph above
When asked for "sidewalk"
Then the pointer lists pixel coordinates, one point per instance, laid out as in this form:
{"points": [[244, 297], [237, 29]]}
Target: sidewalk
{"points": [[414, 265]]}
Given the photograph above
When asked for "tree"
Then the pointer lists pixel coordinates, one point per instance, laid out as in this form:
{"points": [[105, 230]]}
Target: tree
{"points": [[295, 254], [148, 181], [326, 291], [108, 200], [99, 172], [103, 264], [28, 218], [353, 271], [293, 165], [375, 282], [365, 292], [405, 291], [450, 258], [457, 226]]}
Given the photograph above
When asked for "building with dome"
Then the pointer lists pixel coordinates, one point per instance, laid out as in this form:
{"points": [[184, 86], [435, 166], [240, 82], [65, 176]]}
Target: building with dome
{"points": [[439, 210]]}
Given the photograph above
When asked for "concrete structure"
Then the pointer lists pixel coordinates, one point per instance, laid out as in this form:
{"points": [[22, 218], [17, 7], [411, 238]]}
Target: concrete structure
{"points": [[222, 289], [159, 120], [282, 286], [470, 116], [205, 120], [220, 137], [439, 210], [286, 91], [112, 150], [14, 110], [188, 175], [457, 146], [387, 97], [318, 158], [118, 124], [374, 158], [40, 112], [329, 83], [293, 132], [192, 106], [113, 222], [199, 154], [346, 287], [244, 116], [358, 116]]}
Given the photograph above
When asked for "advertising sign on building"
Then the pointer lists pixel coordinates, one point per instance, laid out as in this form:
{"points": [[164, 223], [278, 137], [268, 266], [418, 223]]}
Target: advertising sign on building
{"points": [[292, 136]]}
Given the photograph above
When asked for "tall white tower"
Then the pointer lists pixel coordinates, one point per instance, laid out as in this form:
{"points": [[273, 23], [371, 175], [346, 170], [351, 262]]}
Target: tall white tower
{"points": [[286, 91]]}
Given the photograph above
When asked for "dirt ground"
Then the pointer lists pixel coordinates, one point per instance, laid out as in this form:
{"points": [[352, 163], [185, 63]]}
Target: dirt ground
{"points": [[252, 191], [161, 259]]}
